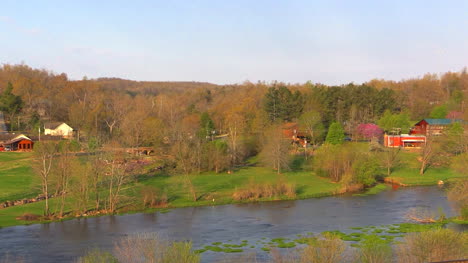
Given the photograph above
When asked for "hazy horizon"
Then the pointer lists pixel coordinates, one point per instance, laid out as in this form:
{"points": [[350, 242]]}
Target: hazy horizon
{"points": [[329, 42]]}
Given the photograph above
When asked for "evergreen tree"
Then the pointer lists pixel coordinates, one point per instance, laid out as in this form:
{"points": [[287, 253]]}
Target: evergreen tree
{"points": [[283, 105], [335, 134], [9, 102], [206, 126]]}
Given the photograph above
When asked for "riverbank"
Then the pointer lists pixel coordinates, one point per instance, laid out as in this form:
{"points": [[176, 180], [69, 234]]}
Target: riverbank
{"points": [[18, 181]]}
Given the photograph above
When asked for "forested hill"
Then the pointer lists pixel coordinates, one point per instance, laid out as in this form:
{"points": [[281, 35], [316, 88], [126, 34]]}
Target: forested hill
{"points": [[142, 113], [149, 87]]}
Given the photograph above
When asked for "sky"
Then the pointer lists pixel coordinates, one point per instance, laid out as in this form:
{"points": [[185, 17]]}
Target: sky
{"points": [[331, 42]]}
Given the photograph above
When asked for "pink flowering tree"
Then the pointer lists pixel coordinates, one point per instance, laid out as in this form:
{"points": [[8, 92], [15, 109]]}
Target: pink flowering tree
{"points": [[369, 130]]}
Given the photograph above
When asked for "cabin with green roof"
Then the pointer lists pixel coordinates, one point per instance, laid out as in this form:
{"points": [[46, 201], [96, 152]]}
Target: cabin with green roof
{"points": [[432, 126]]}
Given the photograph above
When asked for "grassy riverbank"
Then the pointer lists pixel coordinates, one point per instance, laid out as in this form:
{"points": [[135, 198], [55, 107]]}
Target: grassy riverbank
{"points": [[17, 181]]}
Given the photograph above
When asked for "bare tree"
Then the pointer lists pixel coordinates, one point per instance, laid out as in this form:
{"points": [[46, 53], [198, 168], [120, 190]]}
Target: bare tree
{"points": [[390, 159], [97, 171], [188, 162], [428, 153], [116, 176], [275, 152], [45, 156], [62, 172]]}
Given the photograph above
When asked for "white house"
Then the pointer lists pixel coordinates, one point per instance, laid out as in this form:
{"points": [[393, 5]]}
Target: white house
{"points": [[58, 129]]}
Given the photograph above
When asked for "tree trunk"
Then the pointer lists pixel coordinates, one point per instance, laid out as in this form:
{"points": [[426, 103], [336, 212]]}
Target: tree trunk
{"points": [[423, 168]]}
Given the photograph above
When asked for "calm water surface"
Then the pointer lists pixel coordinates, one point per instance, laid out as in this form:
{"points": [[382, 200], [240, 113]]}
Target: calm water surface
{"points": [[65, 241]]}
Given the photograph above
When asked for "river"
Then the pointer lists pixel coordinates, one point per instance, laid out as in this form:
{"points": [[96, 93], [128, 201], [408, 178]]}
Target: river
{"points": [[65, 241]]}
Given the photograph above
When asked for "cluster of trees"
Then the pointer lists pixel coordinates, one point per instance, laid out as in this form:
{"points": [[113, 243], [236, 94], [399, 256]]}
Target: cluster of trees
{"points": [[93, 182], [184, 120]]}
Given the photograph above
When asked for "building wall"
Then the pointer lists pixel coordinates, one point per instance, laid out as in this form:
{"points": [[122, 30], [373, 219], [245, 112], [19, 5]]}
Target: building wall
{"points": [[62, 130]]}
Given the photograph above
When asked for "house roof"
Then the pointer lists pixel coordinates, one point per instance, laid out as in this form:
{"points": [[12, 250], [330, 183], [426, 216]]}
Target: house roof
{"points": [[289, 125], [12, 136], [441, 121], [52, 125], [16, 138]]}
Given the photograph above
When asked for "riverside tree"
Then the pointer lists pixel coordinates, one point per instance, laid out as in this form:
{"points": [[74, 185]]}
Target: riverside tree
{"points": [[45, 157], [275, 151]]}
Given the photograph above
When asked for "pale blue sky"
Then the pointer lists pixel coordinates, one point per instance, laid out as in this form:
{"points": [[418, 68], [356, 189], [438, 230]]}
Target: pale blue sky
{"points": [[331, 42]]}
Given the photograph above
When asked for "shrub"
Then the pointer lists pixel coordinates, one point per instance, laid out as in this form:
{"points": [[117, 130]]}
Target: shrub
{"points": [[365, 170], [328, 248], [434, 245], [458, 194], [374, 250], [152, 198], [256, 191], [149, 247]]}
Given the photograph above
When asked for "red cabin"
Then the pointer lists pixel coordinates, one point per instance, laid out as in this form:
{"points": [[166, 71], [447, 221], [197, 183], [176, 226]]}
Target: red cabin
{"points": [[18, 143], [432, 126], [404, 140]]}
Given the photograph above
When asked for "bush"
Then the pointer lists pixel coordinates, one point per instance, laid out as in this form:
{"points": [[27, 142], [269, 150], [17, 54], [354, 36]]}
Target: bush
{"points": [[365, 170], [149, 247], [328, 248], [347, 164], [257, 191], [152, 198], [374, 250], [458, 194], [434, 245]]}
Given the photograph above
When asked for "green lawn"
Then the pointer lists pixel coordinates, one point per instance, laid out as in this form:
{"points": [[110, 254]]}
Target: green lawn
{"points": [[411, 176], [408, 172], [221, 186], [17, 179]]}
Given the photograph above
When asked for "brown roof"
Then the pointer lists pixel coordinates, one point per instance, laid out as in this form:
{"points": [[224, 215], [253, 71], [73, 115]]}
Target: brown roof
{"points": [[15, 140], [289, 125], [10, 136], [52, 125]]}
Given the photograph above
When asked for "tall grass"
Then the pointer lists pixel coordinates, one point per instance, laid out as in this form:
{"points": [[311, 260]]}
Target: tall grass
{"points": [[374, 250], [328, 248], [150, 247], [265, 190], [143, 248], [434, 245]]}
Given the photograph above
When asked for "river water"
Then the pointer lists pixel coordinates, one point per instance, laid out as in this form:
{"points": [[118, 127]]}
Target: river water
{"points": [[65, 241]]}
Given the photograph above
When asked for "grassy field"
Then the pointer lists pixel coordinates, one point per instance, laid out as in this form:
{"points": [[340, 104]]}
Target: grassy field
{"points": [[220, 187], [408, 172], [17, 179]]}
